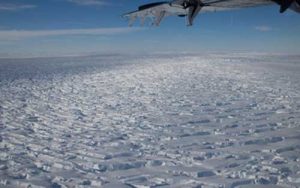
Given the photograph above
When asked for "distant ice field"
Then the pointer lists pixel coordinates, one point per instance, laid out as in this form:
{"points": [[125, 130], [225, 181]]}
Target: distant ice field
{"points": [[210, 120]]}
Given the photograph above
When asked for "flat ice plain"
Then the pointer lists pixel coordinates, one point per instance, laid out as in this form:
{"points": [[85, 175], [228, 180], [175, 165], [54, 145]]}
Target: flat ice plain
{"points": [[211, 120]]}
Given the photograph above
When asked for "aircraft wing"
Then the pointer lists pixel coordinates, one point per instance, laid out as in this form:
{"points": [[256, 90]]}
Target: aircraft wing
{"points": [[191, 8], [157, 11]]}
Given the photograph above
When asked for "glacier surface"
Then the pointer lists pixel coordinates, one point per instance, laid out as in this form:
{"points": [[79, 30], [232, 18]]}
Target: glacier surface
{"points": [[210, 120]]}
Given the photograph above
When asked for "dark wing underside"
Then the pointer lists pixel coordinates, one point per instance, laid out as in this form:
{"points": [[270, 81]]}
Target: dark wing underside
{"points": [[231, 3]]}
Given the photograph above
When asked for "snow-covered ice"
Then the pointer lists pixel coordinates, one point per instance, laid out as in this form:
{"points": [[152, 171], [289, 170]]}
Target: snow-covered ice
{"points": [[212, 120]]}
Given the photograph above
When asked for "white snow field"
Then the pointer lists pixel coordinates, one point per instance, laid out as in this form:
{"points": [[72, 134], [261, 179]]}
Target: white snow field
{"points": [[211, 120]]}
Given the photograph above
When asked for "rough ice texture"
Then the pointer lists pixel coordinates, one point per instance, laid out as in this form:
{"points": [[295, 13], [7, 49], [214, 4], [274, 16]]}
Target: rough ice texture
{"points": [[154, 121]]}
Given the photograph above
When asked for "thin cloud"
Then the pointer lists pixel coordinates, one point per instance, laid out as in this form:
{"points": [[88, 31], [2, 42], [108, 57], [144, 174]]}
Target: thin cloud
{"points": [[15, 7], [263, 28], [23, 34], [88, 2]]}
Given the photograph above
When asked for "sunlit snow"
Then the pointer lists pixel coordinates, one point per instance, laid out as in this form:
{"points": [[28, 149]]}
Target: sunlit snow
{"points": [[212, 120]]}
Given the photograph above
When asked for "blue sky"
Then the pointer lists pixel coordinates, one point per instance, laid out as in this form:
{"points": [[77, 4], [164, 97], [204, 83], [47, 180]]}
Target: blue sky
{"points": [[76, 27]]}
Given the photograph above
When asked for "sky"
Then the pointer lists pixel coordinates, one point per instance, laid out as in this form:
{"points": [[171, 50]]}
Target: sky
{"points": [[79, 27]]}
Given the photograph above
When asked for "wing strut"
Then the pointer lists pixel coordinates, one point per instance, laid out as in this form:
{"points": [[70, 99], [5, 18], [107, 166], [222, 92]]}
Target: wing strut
{"points": [[285, 4], [194, 7], [131, 19], [159, 17]]}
